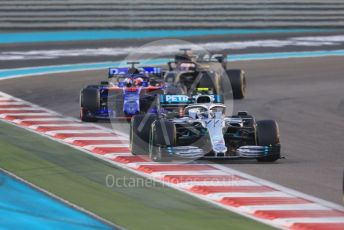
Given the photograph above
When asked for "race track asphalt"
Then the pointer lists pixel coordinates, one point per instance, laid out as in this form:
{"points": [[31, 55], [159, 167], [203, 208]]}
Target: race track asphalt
{"points": [[306, 97]]}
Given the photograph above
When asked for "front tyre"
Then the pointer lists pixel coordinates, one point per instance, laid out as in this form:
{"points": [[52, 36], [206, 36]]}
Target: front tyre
{"points": [[267, 134], [162, 137], [139, 133]]}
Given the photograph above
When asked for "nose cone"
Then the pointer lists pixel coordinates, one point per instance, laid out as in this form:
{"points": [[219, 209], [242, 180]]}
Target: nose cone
{"points": [[219, 145], [214, 127], [131, 107]]}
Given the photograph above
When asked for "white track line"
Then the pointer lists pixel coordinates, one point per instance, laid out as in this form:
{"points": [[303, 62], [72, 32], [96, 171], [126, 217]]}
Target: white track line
{"points": [[198, 172], [12, 103], [26, 114], [253, 208], [290, 221], [282, 188], [58, 125], [219, 196], [22, 109], [40, 119], [53, 133], [72, 139], [189, 185], [114, 155], [92, 147]]}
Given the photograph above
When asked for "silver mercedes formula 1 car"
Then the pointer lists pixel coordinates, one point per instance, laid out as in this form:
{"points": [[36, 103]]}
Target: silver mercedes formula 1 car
{"points": [[202, 130]]}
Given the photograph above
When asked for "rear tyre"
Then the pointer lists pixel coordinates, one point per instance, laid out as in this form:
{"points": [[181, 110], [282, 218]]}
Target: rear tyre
{"points": [[238, 81], [267, 134], [85, 117], [90, 98], [210, 81], [139, 133], [89, 102], [162, 136]]}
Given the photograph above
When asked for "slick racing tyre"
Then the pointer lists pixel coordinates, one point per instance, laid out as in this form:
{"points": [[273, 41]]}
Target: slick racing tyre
{"points": [[85, 117], [238, 81], [90, 98], [162, 135], [139, 133], [211, 81], [267, 134], [89, 102]]}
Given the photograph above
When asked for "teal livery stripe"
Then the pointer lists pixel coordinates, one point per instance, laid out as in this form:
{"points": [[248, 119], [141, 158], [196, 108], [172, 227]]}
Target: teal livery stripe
{"points": [[90, 35], [10, 73]]}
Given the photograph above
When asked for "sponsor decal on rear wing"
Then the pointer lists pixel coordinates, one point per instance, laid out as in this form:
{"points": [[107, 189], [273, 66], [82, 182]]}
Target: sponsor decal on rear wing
{"points": [[118, 71], [183, 100], [150, 70], [175, 99], [142, 70]]}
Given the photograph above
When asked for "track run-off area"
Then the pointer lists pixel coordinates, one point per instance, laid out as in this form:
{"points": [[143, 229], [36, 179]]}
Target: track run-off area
{"points": [[42, 209], [303, 94]]}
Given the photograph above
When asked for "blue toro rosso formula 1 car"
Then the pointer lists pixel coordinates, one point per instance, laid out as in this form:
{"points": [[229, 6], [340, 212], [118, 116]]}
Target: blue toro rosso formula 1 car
{"points": [[127, 92]]}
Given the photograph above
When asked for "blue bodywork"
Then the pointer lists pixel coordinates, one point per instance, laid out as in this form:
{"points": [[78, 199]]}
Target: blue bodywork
{"points": [[128, 97]]}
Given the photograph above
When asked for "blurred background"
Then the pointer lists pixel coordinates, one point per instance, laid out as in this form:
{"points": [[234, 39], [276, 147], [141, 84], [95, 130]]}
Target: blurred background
{"points": [[133, 14]]}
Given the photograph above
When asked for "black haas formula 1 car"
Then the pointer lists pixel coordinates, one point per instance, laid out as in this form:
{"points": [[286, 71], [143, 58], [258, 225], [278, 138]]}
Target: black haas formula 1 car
{"points": [[127, 92], [203, 131], [199, 73]]}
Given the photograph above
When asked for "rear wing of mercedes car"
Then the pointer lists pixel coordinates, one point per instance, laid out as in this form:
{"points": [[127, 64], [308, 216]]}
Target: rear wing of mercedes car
{"points": [[166, 100], [175, 104]]}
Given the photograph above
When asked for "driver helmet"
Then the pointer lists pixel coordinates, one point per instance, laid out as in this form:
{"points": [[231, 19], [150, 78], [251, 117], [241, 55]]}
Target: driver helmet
{"points": [[138, 81], [202, 114], [128, 82], [187, 67]]}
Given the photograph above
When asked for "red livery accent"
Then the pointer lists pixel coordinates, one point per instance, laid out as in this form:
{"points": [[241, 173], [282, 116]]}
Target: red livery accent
{"points": [[131, 89]]}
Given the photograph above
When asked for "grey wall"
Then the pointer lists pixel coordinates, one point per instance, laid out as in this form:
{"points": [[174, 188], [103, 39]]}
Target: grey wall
{"points": [[69, 14]]}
